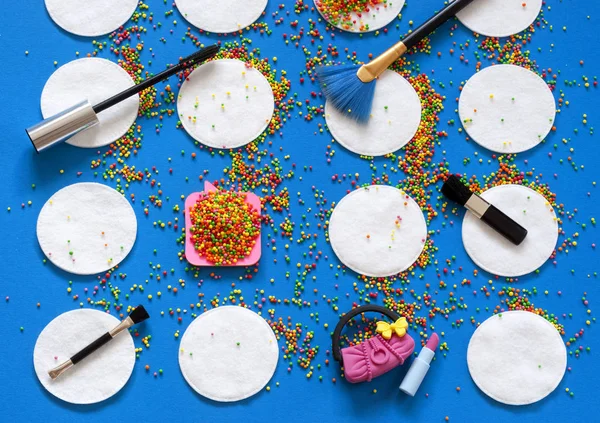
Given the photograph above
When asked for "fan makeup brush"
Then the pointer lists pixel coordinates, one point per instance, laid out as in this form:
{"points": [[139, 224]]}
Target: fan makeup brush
{"points": [[458, 192], [136, 316], [64, 125], [350, 88]]}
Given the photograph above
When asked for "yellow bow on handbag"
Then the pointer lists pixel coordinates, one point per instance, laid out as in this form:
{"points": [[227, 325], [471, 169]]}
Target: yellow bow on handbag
{"points": [[388, 329]]}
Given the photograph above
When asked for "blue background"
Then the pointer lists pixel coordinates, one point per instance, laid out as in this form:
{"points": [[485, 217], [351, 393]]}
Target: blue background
{"points": [[25, 25]]}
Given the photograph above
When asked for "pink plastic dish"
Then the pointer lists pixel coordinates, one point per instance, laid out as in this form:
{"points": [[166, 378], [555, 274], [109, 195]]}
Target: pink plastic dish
{"points": [[192, 255]]}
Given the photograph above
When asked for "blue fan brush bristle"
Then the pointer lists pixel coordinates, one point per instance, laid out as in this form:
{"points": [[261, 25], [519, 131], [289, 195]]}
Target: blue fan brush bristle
{"points": [[346, 92]]}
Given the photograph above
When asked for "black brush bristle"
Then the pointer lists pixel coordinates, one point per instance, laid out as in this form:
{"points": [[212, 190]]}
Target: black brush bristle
{"points": [[139, 314], [456, 191], [202, 55]]}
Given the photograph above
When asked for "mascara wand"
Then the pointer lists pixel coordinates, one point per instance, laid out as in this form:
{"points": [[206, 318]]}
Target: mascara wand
{"points": [[64, 125]]}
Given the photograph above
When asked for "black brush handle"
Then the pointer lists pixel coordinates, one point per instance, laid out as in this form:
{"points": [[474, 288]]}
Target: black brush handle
{"points": [[432, 24], [198, 57], [504, 225], [91, 348]]}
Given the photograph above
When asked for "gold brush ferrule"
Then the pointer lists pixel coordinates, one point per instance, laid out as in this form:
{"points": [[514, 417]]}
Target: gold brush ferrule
{"points": [[477, 205], [368, 72], [57, 371], [125, 324]]}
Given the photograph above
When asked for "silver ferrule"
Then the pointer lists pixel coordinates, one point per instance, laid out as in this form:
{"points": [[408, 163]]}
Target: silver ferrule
{"points": [[57, 371], [62, 126], [125, 324], [477, 205]]}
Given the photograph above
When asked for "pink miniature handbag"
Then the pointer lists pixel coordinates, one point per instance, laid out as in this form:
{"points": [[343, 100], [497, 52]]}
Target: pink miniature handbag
{"points": [[377, 355]]}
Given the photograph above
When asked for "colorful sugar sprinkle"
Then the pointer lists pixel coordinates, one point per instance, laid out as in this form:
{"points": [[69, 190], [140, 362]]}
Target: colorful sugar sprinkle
{"points": [[224, 227]]}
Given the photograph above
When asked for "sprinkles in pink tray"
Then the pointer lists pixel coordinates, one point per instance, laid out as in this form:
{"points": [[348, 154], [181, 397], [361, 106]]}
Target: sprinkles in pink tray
{"points": [[223, 228]]}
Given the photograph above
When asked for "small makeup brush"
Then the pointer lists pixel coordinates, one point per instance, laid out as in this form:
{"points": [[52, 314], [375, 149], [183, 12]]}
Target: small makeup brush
{"points": [[458, 192], [64, 125], [350, 88], [136, 316]]}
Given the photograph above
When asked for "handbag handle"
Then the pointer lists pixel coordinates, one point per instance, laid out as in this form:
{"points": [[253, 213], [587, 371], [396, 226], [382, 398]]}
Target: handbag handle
{"points": [[335, 343]]}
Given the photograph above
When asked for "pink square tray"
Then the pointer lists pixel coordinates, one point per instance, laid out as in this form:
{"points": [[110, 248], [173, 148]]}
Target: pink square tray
{"points": [[192, 255]]}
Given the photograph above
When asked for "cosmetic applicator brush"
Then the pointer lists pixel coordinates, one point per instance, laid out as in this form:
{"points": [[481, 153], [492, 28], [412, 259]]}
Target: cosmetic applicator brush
{"points": [[64, 125], [136, 316], [350, 88], [458, 192]]}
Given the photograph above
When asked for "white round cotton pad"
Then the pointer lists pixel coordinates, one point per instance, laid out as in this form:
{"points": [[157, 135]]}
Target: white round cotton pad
{"points": [[516, 357], [95, 80], [494, 253], [499, 18], [221, 16], [228, 354], [378, 15], [507, 108], [225, 104], [377, 231], [98, 376], [86, 228], [90, 18], [395, 119]]}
